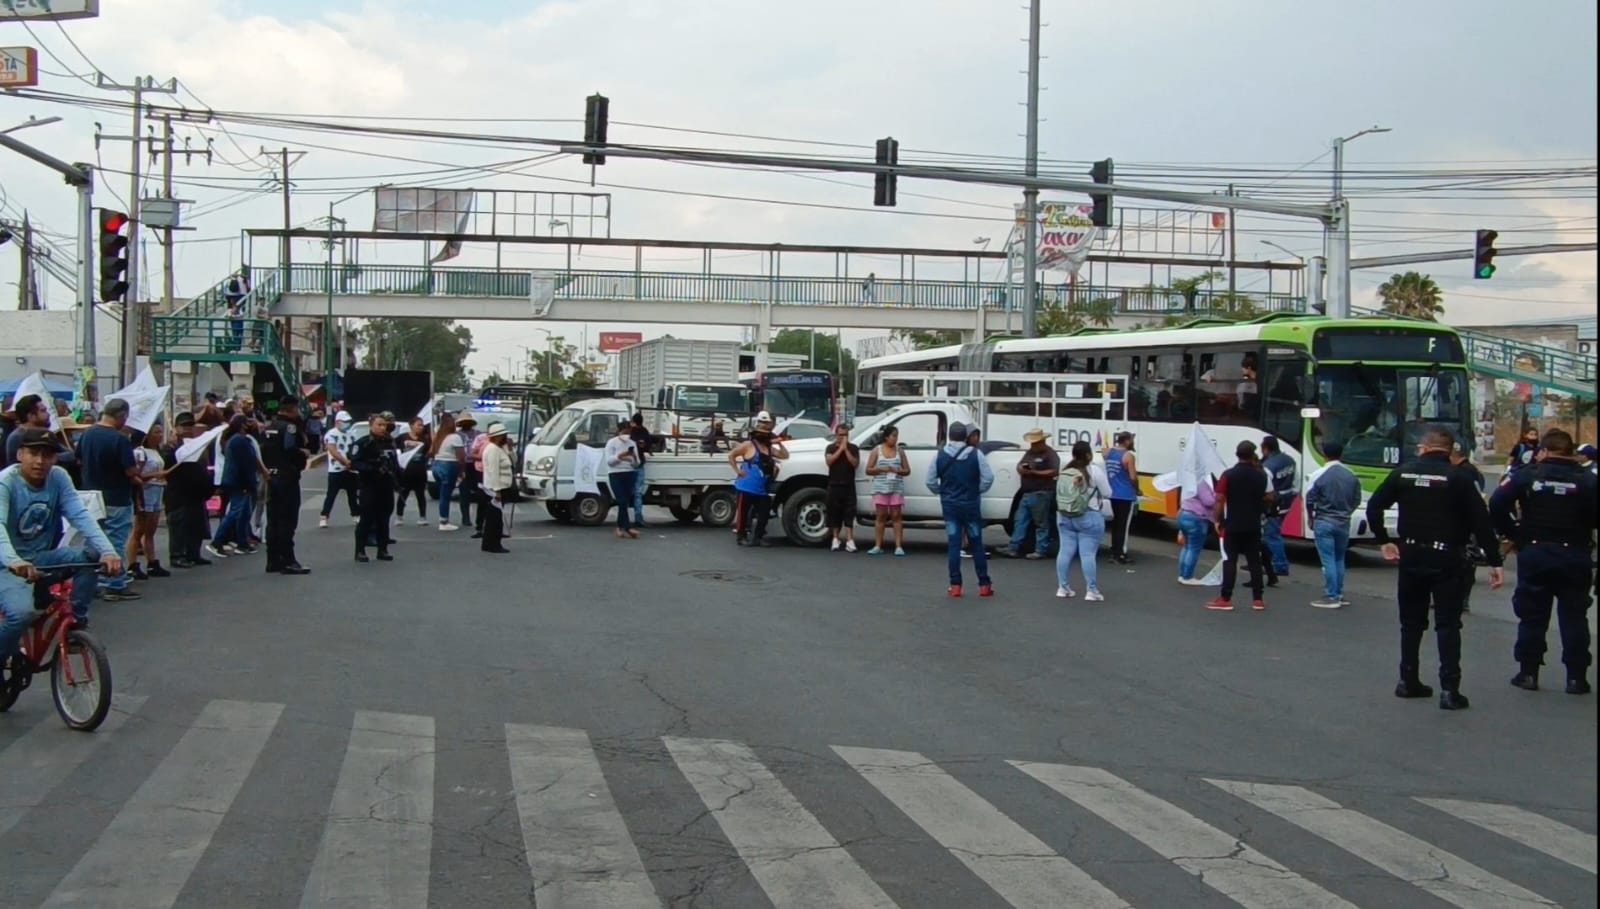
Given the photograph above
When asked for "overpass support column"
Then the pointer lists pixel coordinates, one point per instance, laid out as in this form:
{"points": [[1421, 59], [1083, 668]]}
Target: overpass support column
{"points": [[763, 334]]}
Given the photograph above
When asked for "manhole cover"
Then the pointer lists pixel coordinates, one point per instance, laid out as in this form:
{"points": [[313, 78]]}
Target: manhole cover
{"points": [[720, 576]]}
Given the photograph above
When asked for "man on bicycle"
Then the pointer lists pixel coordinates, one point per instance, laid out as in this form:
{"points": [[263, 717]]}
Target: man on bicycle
{"points": [[35, 495]]}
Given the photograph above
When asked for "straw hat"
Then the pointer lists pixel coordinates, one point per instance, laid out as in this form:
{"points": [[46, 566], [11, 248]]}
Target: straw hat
{"points": [[1035, 435]]}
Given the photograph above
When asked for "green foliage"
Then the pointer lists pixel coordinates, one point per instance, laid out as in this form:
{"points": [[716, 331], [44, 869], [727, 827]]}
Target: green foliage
{"points": [[925, 340], [1057, 319], [1413, 295], [436, 345], [559, 364], [828, 356]]}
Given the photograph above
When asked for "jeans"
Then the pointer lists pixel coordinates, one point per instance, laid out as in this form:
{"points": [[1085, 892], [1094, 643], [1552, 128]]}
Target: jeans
{"points": [[1196, 531], [1033, 514], [638, 498], [118, 526], [16, 595], [1080, 539], [968, 521], [446, 472], [1272, 536], [1333, 541], [623, 484], [235, 524]]}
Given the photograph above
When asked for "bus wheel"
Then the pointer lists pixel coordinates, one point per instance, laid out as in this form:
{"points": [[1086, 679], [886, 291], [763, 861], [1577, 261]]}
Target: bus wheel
{"points": [[717, 507], [805, 517], [590, 510], [683, 515]]}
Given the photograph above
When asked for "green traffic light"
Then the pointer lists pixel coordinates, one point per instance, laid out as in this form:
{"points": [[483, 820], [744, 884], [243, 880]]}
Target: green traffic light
{"points": [[1486, 271]]}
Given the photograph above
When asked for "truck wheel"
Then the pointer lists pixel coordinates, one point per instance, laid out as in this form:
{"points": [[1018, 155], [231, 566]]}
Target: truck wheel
{"points": [[805, 517], [683, 515], [560, 511], [717, 507], [589, 510]]}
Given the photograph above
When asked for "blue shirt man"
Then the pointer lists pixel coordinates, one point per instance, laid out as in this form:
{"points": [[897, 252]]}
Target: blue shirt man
{"points": [[105, 462], [1281, 477], [959, 477], [35, 495]]}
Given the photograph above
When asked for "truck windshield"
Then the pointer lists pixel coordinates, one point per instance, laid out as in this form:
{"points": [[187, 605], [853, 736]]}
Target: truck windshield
{"points": [[708, 399], [556, 430], [1379, 413]]}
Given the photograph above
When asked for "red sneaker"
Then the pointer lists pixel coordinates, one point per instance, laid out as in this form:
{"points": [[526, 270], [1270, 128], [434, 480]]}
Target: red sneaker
{"points": [[955, 591], [986, 590], [1258, 605], [1221, 604]]}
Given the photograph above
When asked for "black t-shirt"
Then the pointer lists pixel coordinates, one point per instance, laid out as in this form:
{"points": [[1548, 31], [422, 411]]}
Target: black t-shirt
{"points": [[1245, 486], [840, 472], [1046, 460], [105, 457]]}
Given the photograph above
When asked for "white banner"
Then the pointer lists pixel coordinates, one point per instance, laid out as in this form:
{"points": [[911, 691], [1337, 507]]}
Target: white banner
{"points": [[422, 211], [1065, 235], [405, 457], [587, 470], [194, 449], [1199, 463]]}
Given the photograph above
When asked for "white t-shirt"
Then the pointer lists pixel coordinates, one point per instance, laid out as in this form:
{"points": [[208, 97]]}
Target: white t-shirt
{"points": [[341, 442], [449, 448], [150, 464]]}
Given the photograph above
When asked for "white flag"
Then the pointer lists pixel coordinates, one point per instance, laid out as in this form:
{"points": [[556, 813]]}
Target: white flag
{"points": [[1200, 460], [34, 385], [194, 449], [426, 413], [405, 457], [587, 470], [144, 406]]}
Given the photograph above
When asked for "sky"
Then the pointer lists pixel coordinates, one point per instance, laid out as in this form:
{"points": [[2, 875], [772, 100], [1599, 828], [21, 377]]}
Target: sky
{"points": [[1165, 88]]}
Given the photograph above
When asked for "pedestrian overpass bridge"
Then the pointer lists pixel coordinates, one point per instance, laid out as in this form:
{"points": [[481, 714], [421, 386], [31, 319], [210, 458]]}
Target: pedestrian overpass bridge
{"points": [[201, 331]]}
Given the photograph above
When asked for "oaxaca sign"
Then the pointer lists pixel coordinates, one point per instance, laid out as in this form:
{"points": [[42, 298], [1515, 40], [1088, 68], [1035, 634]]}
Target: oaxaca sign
{"points": [[45, 10], [1065, 235]]}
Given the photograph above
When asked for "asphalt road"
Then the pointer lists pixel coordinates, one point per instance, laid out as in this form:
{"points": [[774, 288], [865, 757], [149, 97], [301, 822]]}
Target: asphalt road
{"points": [[677, 722]]}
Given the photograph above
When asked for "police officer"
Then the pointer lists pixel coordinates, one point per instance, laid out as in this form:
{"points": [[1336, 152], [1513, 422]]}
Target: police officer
{"points": [[284, 447], [1556, 501], [1440, 511], [374, 461]]}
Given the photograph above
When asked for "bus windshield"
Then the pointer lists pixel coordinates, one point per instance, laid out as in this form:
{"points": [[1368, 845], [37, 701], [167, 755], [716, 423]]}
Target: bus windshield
{"points": [[791, 394], [1379, 413]]}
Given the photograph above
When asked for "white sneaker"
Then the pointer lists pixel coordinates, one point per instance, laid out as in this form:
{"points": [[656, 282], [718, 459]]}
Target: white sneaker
{"points": [[1065, 593], [216, 552], [448, 526], [422, 522], [323, 523], [1192, 582], [850, 546], [836, 545], [1094, 596]]}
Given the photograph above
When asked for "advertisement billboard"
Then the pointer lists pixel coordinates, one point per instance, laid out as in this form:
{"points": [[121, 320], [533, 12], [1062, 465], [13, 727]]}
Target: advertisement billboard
{"points": [[46, 10], [19, 67], [613, 341]]}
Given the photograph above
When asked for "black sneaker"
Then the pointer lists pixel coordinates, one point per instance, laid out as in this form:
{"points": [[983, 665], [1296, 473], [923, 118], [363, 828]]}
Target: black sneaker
{"points": [[138, 574], [156, 571], [122, 596]]}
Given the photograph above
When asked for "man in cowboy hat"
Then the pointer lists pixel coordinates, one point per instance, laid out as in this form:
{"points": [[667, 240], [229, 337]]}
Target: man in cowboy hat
{"points": [[1037, 469]]}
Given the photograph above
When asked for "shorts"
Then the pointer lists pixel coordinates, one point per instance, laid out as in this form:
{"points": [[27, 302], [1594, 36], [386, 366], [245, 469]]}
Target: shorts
{"points": [[150, 498], [890, 500], [840, 506]]}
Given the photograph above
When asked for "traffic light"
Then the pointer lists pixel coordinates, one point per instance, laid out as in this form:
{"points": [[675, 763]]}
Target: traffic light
{"points": [[1101, 173], [113, 256], [595, 114], [1483, 253], [883, 185]]}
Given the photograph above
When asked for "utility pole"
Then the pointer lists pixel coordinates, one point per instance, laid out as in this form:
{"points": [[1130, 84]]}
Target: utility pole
{"points": [[1030, 194], [284, 159], [1233, 249], [131, 311], [1339, 231], [27, 297]]}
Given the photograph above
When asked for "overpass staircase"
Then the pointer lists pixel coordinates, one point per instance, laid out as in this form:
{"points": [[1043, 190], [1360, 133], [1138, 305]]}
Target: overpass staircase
{"points": [[201, 331]]}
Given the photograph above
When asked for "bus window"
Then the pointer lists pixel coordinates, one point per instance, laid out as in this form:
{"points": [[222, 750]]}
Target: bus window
{"points": [[1151, 389], [1229, 391], [1283, 397]]}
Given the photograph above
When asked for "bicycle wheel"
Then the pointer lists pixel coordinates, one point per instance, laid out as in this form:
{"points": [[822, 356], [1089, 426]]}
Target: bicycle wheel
{"points": [[12, 680], [80, 682]]}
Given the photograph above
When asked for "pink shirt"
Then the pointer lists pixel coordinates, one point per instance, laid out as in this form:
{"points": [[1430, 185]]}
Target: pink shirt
{"points": [[478, 445], [1202, 502]]}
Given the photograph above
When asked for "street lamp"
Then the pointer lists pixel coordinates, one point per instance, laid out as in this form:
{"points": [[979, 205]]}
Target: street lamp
{"points": [[29, 124], [1339, 255], [1290, 252], [327, 328], [1338, 156]]}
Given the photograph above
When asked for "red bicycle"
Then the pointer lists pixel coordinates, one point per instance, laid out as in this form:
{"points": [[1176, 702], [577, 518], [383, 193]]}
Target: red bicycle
{"points": [[80, 673]]}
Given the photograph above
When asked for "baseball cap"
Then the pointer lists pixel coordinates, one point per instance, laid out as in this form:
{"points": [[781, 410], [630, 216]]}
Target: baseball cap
{"points": [[764, 417], [957, 432], [1589, 452], [342, 416], [37, 438]]}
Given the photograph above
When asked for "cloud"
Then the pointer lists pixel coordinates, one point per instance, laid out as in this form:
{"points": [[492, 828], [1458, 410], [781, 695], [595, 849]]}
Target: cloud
{"points": [[1151, 82]]}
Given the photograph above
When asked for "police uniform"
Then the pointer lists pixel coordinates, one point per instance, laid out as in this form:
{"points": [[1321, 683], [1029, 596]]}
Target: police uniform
{"points": [[1556, 501], [374, 461], [283, 450], [1441, 511]]}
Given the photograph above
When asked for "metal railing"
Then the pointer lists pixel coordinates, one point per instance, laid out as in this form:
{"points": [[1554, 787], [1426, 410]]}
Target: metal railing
{"points": [[185, 337], [683, 287]]}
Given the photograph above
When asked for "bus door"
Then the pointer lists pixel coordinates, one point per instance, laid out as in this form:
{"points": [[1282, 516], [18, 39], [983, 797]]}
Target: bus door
{"points": [[1285, 384]]}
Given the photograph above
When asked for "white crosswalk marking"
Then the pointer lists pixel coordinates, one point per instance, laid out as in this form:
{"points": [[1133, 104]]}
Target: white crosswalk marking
{"points": [[790, 854], [1013, 862], [377, 847], [577, 843], [149, 849], [42, 759], [1221, 862], [1535, 831], [1443, 874]]}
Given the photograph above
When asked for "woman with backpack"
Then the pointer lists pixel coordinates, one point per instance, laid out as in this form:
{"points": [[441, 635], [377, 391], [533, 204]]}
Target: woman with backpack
{"points": [[1083, 493]]}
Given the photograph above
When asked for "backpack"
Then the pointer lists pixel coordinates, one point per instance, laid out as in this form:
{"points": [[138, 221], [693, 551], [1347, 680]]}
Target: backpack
{"points": [[1073, 493]]}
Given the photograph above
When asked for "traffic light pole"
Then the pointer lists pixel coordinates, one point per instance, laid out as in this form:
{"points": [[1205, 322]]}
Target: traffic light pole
{"points": [[1030, 195], [1450, 255]]}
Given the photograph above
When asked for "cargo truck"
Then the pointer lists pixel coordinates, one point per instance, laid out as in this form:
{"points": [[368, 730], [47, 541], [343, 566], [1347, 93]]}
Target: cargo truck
{"points": [[683, 384]]}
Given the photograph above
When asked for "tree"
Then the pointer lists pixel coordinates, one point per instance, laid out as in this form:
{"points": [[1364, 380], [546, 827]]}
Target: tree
{"points": [[828, 355], [1056, 319], [924, 340], [438, 346], [1412, 295], [494, 379], [1190, 288], [559, 364]]}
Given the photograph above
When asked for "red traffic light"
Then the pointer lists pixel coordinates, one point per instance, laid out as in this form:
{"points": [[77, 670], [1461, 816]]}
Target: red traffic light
{"points": [[112, 222]]}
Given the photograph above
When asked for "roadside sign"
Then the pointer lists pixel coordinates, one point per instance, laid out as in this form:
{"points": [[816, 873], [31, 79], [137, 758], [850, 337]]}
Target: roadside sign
{"points": [[46, 10], [19, 66], [614, 341]]}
